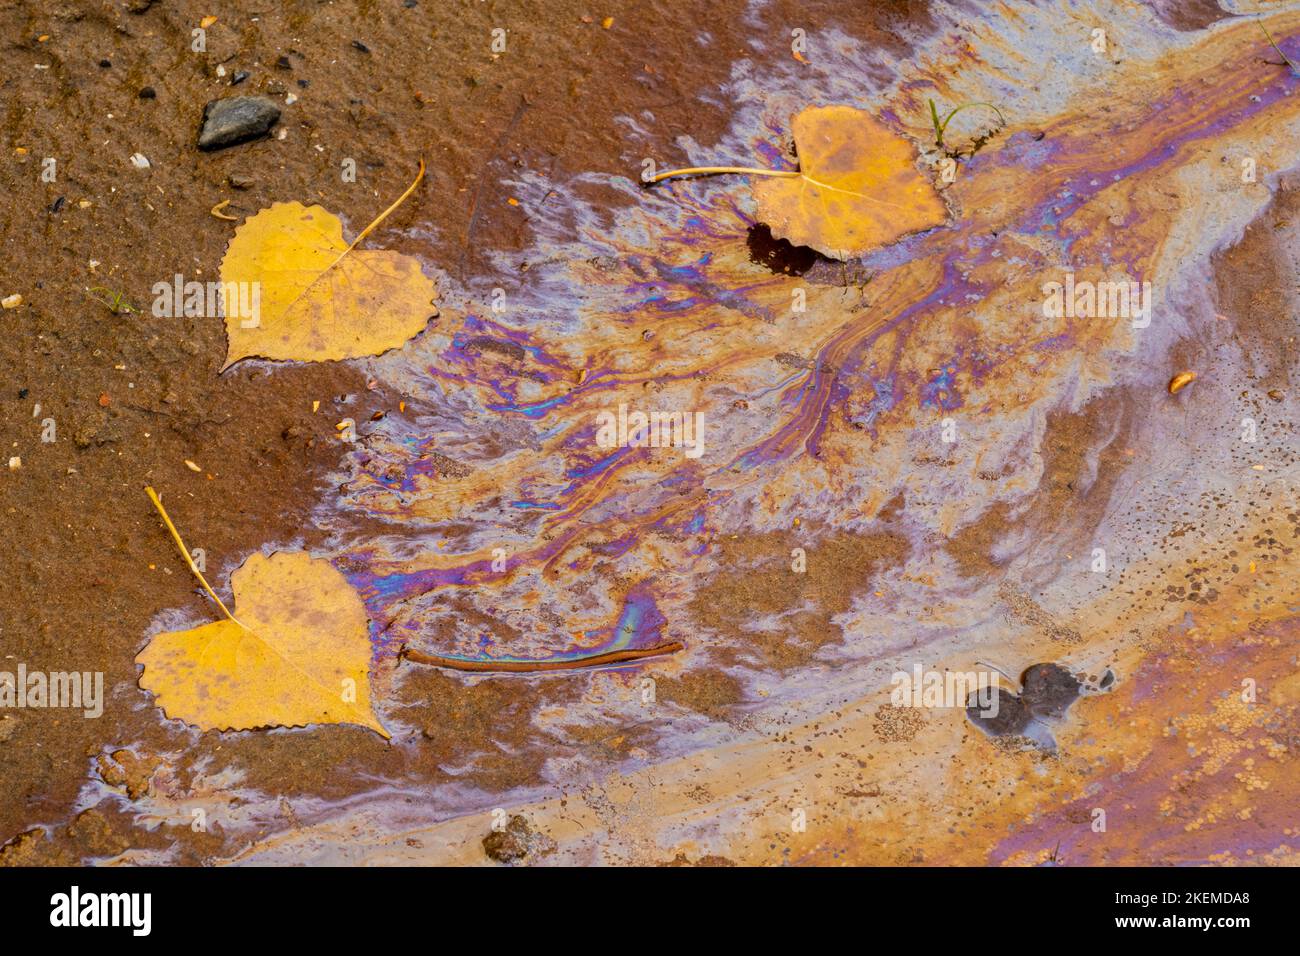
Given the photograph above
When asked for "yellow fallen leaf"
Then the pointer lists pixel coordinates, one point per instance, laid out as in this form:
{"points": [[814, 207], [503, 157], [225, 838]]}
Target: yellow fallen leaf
{"points": [[298, 654], [319, 298], [857, 187]]}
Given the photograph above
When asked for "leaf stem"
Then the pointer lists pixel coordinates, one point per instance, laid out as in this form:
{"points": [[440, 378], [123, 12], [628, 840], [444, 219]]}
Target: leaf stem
{"points": [[185, 553], [712, 170], [384, 215], [1014, 683]]}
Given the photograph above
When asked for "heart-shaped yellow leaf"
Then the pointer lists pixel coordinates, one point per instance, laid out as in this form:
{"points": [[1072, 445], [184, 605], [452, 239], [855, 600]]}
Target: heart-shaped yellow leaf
{"points": [[298, 653], [301, 292], [857, 187]]}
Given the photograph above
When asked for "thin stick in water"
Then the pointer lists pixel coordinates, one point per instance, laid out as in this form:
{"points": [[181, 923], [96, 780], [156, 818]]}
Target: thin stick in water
{"points": [[714, 170], [527, 667]]}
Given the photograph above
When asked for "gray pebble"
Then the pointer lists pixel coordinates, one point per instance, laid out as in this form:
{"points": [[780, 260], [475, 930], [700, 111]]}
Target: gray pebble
{"points": [[236, 119]]}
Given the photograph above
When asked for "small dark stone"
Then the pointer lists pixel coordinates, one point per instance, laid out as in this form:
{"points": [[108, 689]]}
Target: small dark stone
{"points": [[106, 63], [360, 46], [239, 77], [57, 204], [236, 119], [148, 93], [22, 393], [239, 180], [304, 84], [283, 63], [409, 3], [1050, 689]]}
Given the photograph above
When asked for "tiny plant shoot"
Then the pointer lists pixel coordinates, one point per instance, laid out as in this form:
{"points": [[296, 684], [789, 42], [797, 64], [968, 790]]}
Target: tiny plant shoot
{"points": [[941, 125], [115, 302]]}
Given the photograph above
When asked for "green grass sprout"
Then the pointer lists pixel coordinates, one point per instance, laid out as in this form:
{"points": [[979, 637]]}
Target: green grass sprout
{"points": [[941, 125]]}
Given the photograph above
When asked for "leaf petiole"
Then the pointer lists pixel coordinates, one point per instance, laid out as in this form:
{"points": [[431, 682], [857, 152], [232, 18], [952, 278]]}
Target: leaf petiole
{"points": [[185, 553], [384, 215], [1014, 683]]}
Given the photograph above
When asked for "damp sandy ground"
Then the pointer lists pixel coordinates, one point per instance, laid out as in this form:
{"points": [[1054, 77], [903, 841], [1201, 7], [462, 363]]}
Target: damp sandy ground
{"points": [[770, 739]]}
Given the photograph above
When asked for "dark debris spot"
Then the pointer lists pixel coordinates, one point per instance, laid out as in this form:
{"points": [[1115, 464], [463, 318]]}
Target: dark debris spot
{"points": [[1049, 689], [1008, 716], [778, 255]]}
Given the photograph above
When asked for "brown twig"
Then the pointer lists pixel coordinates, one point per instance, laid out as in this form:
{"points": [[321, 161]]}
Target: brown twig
{"points": [[517, 667]]}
